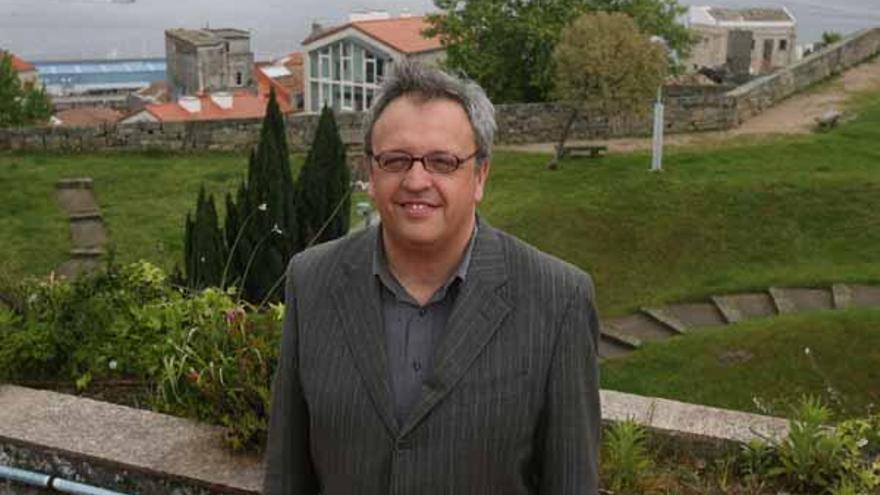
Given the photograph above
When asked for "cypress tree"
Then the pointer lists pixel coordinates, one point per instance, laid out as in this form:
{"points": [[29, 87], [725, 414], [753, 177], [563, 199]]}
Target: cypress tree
{"points": [[323, 186], [263, 219], [204, 245]]}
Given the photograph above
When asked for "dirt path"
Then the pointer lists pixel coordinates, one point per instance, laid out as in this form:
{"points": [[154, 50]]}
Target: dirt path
{"points": [[796, 115]]}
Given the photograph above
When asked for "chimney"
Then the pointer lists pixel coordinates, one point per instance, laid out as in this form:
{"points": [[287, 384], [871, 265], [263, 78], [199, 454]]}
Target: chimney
{"points": [[371, 15], [316, 27], [222, 100], [191, 104]]}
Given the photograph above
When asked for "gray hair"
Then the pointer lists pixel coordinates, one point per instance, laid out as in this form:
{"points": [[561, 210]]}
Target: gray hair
{"points": [[414, 78]]}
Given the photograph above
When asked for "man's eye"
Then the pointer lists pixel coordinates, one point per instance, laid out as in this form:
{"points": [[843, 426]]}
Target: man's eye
{"points": [[395, 161], [442, 161]]}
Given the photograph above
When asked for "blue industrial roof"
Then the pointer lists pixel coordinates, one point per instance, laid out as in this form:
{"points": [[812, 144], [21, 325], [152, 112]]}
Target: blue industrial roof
{"points": [[91, 72]]}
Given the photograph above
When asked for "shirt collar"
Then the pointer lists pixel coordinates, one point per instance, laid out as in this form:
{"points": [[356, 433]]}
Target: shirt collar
{"points": [[380, 263]]}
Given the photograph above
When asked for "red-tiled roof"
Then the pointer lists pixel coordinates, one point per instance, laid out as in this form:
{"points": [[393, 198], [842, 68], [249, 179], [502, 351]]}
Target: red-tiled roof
{"points": [[245, 105], [18, 64], [86, 116], [288, 84], [401, 33]]}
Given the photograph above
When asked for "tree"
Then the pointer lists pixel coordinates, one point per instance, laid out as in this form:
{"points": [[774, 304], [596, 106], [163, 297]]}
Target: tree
{"points": [[19, 105], [831, 37], [323, 186], [507, 45], [603, 62], [204, 246], [262, 222]]}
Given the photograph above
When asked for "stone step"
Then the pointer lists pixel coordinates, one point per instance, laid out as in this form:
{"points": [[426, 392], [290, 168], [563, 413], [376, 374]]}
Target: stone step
{"points": [[74, 183], [799, 300], [688, 316], [88, 252], [77, 201], [610, 348], [739, 307], [865, 295], [75, 267], [87, 234], [86, 215], [640, 327]]}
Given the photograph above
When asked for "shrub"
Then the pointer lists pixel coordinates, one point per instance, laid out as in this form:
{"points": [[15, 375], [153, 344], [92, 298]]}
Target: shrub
{"points": [[817, 458], [625, 457], [220, 369]]}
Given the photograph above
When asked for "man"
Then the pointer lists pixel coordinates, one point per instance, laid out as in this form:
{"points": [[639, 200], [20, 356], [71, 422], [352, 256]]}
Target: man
{"points": [[434, 353]]}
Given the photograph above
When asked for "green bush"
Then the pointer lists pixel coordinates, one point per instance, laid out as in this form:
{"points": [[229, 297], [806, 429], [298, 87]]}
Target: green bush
{"points": [[625, 457], [818, 458], [204, 355], [220, 370]]}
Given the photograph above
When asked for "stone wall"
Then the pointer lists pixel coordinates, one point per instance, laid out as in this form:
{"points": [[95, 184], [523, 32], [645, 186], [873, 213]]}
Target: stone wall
{"points": [[688, 109], [755, 97], [135, 451]]}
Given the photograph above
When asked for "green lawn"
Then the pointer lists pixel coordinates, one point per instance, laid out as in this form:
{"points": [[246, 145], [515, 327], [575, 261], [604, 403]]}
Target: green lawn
{"points": [[762, 365], [782, 211]]}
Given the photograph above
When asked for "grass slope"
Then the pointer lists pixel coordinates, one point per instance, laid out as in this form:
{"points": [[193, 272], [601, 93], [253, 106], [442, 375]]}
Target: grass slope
{"points": [[786, 211], [793, 211], [762, 365]]}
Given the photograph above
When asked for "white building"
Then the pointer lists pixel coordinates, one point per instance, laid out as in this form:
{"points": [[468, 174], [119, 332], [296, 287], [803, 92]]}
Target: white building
{"points": [[345, 64], [753, 41]]}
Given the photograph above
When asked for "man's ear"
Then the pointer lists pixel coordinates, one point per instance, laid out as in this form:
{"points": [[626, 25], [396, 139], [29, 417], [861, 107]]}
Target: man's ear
{"points": [[482, 175], [369, 165]]}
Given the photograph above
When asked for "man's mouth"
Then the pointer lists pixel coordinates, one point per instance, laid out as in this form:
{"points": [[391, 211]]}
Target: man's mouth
{"points": [[417, 208]]}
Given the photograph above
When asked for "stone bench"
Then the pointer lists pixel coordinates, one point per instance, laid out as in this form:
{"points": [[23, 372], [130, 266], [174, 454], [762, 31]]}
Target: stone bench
{"points": [[592, 150]]}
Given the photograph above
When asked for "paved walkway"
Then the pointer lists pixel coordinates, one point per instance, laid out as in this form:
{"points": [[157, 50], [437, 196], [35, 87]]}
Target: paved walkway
{"points": [[621, 336], [795, 115], [87, 231]]}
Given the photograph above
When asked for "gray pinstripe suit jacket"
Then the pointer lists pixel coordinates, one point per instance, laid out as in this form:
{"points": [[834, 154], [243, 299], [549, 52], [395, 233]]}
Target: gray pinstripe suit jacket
{"points": [[513, 405]]}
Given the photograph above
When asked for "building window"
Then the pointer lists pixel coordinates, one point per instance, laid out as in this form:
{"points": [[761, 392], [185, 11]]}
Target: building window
{"points": [[370, 68], [783, 45], [238, 78]]}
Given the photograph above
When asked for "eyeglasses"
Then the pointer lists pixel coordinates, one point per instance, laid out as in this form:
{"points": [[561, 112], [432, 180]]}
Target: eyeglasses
{"points": [[439, 162]]}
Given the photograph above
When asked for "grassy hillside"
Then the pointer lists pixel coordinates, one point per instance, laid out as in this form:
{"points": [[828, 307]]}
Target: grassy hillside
{"points": [[801, 210], [763, 365]]}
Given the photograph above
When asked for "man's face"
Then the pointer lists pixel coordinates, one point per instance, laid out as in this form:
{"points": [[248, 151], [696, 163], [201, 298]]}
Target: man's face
{"points": [[419, 208]]}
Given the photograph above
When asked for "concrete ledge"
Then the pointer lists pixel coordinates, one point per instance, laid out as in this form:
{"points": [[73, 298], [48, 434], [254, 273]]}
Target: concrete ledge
{"points": [[709, 426], [135, 451], [146, 452], [666, 318]]}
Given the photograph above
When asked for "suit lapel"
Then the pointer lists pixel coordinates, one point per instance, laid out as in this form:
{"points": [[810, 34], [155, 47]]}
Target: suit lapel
{"points": [[359, 308], [478, 312]]}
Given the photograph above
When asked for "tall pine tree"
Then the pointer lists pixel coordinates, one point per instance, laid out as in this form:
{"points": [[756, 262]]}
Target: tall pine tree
{"points": [[323, 186], [261, 228], [204, 246]]}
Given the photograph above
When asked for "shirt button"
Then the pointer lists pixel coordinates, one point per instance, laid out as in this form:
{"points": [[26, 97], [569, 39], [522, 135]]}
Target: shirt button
{"points": [[423, 312], [417, 366]]}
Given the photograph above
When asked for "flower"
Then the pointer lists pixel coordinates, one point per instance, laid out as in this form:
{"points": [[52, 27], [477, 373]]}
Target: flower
{"points": [[112, 364], [276, 229], [193, 376], [262, 207], [235, 315], [807, 351]]}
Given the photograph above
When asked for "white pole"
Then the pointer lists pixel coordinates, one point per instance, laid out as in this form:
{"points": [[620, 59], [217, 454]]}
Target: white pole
{"points": [[657, 159]]}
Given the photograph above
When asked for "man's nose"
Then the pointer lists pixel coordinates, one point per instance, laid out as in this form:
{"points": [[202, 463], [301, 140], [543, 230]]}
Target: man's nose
{"points": [[417, 177]]}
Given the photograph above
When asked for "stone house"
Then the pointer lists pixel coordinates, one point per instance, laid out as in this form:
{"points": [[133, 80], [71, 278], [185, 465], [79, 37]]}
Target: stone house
{"points": [[749, 41], [208, 60], [345, 64]]}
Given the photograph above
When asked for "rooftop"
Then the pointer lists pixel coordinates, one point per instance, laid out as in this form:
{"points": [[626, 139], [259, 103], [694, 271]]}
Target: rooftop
{"points": [[207, 37], [401, 33], [244, 105], [19, 64], [728, 16], [87, 116]]}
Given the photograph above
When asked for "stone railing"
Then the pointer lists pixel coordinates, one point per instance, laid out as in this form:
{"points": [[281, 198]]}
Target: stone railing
{"points": [[136, 451]]}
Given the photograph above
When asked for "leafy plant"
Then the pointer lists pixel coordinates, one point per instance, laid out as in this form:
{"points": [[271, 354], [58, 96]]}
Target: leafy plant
{"points": [[818, 458], [220, 369], [625, 456]]}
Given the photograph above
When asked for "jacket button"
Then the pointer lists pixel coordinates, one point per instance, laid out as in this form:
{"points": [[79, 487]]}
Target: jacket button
{"points": [[404, 444]]}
